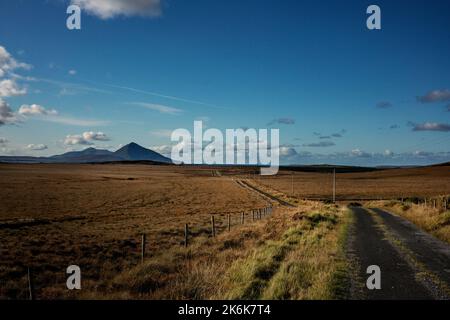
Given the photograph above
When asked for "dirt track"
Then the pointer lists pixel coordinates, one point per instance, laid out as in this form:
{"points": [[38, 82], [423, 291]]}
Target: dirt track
{"points": [[264, 194], [413, 264]]}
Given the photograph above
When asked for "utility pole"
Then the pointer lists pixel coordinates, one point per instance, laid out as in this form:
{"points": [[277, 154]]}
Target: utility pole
{"points": [[334, 185], [292, 184]]}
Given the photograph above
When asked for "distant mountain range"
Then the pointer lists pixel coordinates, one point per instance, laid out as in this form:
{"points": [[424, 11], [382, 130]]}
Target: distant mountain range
{"points": [[130, 152]]}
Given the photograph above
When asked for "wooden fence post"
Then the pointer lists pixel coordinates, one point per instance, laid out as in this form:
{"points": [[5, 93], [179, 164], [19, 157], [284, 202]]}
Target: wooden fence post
{"points": [[30, 285], [229, 222], [213, 227], [186, 235], [142, 248]]}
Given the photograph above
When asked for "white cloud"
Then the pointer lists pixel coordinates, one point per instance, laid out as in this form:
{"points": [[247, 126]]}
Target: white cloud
{"points": [[287, 151], [37, 147], [44, 114], [388, 153], [6, 114], [76, 139], [86, 138], [9, 151], [165, 150], [98, 136], [9, 88], [72, 72], [158, 107], [360, 153], [8, 63], [35, 109], [107, 9]]}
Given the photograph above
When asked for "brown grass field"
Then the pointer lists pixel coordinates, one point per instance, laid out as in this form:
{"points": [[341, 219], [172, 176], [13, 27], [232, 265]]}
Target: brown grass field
{"points": [[55, 215], [383, 184], [52, 216]]}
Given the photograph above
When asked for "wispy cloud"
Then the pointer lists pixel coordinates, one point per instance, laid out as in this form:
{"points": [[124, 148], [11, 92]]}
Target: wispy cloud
{"points": [[161, 133], [435, 96], [339, 134], [155, 94], [430, 126], [107, 9], [320, 144], [37, 147], [75, 121], [288, 121], [384, 105], [94, 87], [70, 87], [158, 107]]}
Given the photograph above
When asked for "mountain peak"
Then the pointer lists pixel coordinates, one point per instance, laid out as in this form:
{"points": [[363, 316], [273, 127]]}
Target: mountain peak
{"points": [[134, 152], [133, 145]]}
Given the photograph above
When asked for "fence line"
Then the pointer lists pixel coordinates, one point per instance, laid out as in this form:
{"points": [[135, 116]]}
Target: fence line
{"points": [[266, 211], [439, 202]]}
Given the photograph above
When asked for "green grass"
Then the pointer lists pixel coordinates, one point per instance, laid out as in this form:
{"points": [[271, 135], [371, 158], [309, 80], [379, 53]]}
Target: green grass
{"points": [[306, 262]]}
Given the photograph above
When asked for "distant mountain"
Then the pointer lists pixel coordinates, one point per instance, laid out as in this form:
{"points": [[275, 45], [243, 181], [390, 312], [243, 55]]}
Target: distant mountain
{"points": [[135, 152], [85, 152], [86, 155], [130, 152]]}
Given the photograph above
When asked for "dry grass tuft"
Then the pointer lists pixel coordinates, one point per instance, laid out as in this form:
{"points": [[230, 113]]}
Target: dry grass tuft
{"points": [[433, 220]]}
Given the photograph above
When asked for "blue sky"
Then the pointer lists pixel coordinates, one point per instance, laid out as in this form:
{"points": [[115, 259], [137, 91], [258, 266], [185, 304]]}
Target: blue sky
{"points": [[338, 92]]}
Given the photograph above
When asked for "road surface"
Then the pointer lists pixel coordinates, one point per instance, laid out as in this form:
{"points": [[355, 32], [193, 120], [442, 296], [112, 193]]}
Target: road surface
{"points": [[413, 264]]}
